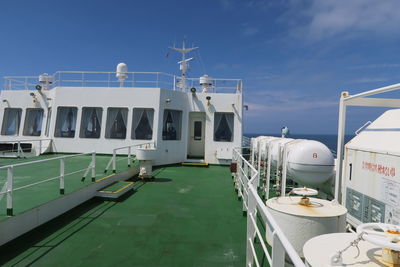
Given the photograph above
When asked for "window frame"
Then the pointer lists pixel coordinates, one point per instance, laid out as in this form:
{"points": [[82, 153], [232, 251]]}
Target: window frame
{"points": [[152, 124], [27, 110], [126, 124], [3, 131], [57, 118], [100, 122], [233, 126], [178, 133]]}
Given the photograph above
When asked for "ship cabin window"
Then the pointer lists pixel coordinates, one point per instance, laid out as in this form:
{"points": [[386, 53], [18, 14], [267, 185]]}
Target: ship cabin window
{"points": [[142, 123], [223, 127], [33, 122], [116, 123], [172, 122], [11, 121], [91, 122], [66, 122]]}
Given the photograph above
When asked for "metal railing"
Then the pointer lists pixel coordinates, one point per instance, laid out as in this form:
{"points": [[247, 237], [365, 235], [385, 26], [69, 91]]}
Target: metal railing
{"points": [[108, 79], [113, 161], [8, 188], [19, 149], [246, 182]]}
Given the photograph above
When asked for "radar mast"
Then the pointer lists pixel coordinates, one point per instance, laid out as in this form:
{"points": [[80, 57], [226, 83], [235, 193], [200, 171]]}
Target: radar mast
{"points": [[184, 63]]}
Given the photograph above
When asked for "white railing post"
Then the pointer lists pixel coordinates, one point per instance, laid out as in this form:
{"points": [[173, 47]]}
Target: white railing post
{"points": [[268, 172], [114, 161], [62, 173], [278, 251], [40, 147], [18, 149], [10, 179], [129, 156], [93, 166], [284, 171], [251, 231], [245, 181]]}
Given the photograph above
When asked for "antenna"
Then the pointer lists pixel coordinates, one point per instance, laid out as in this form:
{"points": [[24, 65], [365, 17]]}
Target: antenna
{"points": [[184, 63]]}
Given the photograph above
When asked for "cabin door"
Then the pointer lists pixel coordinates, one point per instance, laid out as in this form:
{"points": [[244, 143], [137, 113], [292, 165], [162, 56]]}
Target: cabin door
{"points": [[196, 140]]}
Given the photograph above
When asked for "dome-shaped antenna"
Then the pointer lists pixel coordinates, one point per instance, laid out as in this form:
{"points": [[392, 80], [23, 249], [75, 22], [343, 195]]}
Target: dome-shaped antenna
{"points": [[122, 73]]}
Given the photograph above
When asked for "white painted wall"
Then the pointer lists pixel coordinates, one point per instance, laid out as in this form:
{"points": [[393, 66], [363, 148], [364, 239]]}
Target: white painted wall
{"points": [[168, 151]]}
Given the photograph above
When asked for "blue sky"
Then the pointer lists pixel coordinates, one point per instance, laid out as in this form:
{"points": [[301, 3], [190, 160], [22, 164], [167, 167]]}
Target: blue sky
{"points": [[295, 56]]}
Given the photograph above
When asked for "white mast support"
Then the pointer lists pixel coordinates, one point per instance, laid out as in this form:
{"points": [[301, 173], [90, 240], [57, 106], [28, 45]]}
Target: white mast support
{"points": [[361, 99], [183, 64]]}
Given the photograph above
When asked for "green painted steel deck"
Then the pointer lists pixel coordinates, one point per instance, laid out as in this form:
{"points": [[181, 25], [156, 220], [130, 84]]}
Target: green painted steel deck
{"points": [[30, 197], [184, 217]]}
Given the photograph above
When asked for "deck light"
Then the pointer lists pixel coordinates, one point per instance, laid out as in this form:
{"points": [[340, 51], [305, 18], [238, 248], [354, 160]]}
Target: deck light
{"points": [[38, 87], [167, 100], [193, 90]]}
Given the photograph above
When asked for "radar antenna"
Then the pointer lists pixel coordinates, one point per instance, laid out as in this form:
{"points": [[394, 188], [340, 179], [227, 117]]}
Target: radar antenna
{"points": [[184, 63]]}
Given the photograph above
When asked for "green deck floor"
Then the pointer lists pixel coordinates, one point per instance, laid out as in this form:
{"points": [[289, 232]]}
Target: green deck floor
{"points": [[30, 197], [187, 216]]}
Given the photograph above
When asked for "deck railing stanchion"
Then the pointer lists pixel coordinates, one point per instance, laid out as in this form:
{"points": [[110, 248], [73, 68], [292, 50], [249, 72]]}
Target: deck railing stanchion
{"points": [[251, 231], [40, 147], [129, 156], [10, 179], [93, 166], [278, 252], [114, 161], [62, 173], [18, 149]]}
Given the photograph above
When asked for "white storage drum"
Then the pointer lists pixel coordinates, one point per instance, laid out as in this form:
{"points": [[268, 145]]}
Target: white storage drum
{"points": [[301, 222]]}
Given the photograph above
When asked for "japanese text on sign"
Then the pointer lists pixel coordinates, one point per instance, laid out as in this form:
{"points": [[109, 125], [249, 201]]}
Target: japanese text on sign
{"points": [[378, 168]]}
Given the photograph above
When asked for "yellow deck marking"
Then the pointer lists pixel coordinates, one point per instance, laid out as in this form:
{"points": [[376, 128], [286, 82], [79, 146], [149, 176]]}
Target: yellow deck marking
{"points": [[119, 190], [101, 179]]}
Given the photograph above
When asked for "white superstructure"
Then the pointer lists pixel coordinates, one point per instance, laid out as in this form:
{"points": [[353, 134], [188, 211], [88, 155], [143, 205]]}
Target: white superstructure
{"points": [[83, 111]]}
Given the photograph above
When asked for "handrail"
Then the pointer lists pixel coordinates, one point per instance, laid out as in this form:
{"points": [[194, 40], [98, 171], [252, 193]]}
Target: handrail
{"points": [[108, 79], [114, 160], [21, 151], [8, 187], [246, 181]]}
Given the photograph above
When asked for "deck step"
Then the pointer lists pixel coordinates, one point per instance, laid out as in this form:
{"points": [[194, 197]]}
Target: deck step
{"points": [[115, 190], [197, 164]]}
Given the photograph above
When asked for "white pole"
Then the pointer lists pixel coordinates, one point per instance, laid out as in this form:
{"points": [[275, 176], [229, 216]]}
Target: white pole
{"points": [[93, 166], [340, 146], [62, 173], [114, 162], [10, 179]]}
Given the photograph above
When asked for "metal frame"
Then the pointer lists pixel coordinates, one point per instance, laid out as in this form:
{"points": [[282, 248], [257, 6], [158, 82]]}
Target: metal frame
{"points": [[20, 151], [108, 79], [361, 100], [8, 188], [113, 160], [246, 180]]}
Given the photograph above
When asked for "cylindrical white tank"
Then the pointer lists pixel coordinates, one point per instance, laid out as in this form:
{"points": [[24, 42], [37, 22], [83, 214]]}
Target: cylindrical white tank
{"points": [[301, 223], [275, 149], [310, 163], [264, 144], [319, 250]]}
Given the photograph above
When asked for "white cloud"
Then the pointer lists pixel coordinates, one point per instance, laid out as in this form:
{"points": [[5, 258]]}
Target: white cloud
{"points": [[369, 80], [321, 19], [285, 101], [376, 66], [250, 31], [226, 4]]}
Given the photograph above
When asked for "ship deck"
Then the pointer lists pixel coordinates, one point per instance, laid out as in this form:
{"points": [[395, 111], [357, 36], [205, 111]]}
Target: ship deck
{"points": [[186, 216], [30, 197]]}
